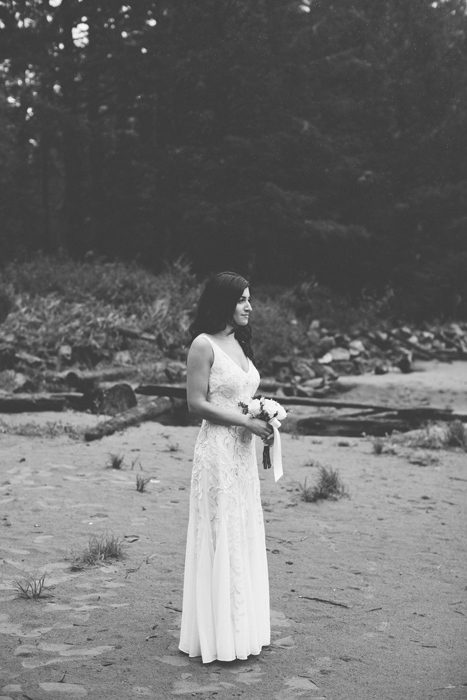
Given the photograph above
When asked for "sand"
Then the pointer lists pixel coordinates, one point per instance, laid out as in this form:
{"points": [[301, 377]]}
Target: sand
{"points": [[368, 593]]}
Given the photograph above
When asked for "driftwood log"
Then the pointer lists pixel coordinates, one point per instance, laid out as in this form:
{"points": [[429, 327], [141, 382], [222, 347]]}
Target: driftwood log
{"points": [[134, 416], [370, 419], [422, 412], [91, 377], [347, 426], [25, 403], [177, 392], [426, 354]]}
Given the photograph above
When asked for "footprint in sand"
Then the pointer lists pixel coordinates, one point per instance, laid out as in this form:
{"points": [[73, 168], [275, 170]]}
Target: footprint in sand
{"points": [[173, 660], [249, 675], [13, 629], [40, 663], [185, 687], [278, 619], [33, 654], [299, 686], [11, 550], [68, 688], [11, 688], [284, 643]]}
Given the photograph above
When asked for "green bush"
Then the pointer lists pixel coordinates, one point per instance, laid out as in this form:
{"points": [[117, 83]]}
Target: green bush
{"points": [[66, 303], [6, 303], [58, 302]]}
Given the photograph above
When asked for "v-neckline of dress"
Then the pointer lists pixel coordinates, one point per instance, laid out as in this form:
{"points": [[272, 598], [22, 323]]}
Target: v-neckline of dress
{"points": [[245, 371]]}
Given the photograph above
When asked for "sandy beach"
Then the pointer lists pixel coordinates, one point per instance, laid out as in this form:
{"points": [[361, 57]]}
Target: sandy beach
{"points": [[368, 593]]}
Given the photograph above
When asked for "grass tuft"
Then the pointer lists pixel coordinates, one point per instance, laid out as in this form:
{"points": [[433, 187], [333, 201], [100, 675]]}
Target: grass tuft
{"points": [[50, 429], [115, 462], [434, 436], [328, 487], [142, 482], [456, 435], [100, 549], [31, 588], [378, 445]]}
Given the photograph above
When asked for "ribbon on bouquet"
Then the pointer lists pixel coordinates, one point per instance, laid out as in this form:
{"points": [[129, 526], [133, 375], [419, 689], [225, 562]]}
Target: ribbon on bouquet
{"points": [[276, 449]]}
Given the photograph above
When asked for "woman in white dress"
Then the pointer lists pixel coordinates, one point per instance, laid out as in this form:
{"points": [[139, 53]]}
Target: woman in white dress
{"points": [[226, 591]]}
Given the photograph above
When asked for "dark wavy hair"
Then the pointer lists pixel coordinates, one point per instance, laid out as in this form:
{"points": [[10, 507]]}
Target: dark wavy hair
{"points": [[216, 307]]}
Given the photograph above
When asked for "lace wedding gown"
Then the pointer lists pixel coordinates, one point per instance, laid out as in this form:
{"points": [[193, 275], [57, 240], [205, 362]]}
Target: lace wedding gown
{"points": [[226, 592]]}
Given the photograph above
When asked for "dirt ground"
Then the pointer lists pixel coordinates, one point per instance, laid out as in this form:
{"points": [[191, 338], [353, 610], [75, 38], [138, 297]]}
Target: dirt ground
{"points": [[368, 593]]}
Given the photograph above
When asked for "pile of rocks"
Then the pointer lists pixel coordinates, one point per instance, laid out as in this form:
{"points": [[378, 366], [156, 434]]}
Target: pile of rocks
{"points": [[379, 351]]}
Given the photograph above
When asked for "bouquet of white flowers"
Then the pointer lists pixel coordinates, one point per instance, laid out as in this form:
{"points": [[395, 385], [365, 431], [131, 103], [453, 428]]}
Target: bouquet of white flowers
{"points": [[272, 412]]}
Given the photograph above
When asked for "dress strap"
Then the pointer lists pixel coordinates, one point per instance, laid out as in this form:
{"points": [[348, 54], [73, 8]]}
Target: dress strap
{"points": [[213, 344]]}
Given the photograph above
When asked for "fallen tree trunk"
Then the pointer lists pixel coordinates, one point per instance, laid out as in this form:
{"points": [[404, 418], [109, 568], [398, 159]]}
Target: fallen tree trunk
{"points": [[177, 392], [91, 377], [134, 416], [425, 412], [414, 413], [25, 403], [424, 353], [351, 427]]}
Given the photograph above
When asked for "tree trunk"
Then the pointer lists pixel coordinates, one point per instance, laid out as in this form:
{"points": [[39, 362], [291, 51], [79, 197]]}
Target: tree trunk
{"points": [[71, 141]]}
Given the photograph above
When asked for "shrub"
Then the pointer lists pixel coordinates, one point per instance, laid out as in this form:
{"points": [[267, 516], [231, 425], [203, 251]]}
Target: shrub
{"points": [[30, 588], [141, 483], [378, 445], [115, 462], [433, 436], [99, 549], [329, 486], [49, 429], [6, 303], [456, 435], [60, 302]]}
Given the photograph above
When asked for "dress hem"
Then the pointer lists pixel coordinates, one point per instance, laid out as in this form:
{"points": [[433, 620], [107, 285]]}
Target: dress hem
{"points": [[216, 658]]}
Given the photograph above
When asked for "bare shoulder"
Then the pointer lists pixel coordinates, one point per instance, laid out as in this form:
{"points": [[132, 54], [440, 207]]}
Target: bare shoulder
{"points": [[201, 350]]}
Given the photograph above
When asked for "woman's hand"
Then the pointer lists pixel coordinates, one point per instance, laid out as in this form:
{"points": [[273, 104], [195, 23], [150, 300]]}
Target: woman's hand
{"points": [[259, 427]]}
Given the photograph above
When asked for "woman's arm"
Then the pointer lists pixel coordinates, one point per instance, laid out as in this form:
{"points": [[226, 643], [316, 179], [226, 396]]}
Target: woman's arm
{"points": [[200, 359]]}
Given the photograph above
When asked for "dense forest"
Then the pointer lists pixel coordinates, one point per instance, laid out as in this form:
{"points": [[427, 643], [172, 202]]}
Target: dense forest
{"points": [[288, 139]]}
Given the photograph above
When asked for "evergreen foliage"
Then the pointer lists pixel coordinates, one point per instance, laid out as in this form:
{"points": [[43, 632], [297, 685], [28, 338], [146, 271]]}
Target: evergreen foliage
{"points": [[283, 139]]}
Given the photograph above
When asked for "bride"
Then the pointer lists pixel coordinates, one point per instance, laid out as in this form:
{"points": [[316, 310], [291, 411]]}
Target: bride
{"points": [[226, 592]]}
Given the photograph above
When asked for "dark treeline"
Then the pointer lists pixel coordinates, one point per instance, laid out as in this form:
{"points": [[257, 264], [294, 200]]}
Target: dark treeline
{"points": [[325, 138]]}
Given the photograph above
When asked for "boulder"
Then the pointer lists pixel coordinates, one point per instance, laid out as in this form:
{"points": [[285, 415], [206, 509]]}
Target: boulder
{"points": [[325, 359], [175, 371], [303, 369], [117, 399], [356, 348], [313, 336], [342, 340], [324, 346], [282, 369], [339, 354]]}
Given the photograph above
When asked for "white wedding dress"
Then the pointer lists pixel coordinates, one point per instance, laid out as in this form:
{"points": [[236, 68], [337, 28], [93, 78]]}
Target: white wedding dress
{"points": [[226, 592]]}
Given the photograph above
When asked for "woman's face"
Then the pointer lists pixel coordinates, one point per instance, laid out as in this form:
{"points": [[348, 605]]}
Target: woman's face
{"points": [[243, 308]]}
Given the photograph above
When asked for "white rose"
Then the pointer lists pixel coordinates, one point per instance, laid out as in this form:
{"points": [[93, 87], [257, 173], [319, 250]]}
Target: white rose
{"points": [[270, 407], [281, 413], [254, 408]]}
